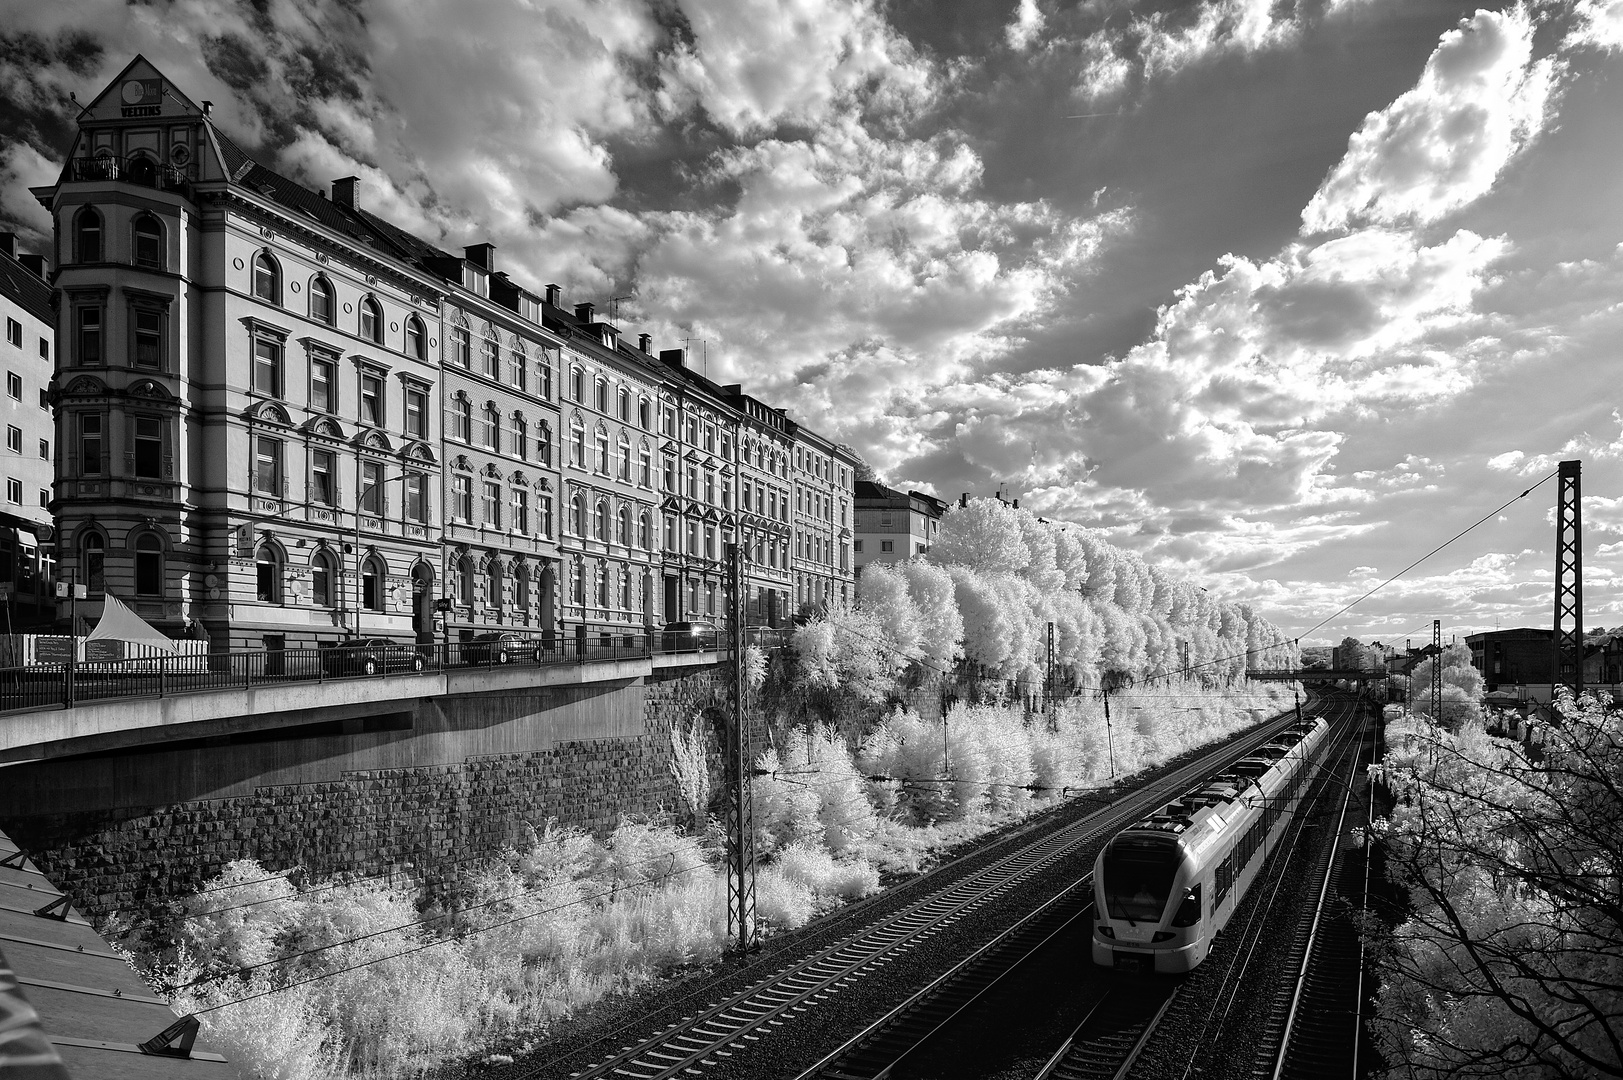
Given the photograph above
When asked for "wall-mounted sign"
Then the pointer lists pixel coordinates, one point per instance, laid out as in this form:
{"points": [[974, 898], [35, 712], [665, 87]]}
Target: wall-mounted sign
{"points": [[142, 97]]}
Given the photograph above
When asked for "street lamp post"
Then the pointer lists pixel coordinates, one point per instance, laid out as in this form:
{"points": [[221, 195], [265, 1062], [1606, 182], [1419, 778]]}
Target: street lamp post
{"points": [[360, 508]]}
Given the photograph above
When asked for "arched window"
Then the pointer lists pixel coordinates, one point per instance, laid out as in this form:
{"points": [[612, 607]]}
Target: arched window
{"points": [[521, 437], [642, 413], [603, 588], [143, 170], [371, 320], [321, 305], [321, 593], [577, 442], [624, 536], [462, 414], [494, 586], [88, 232], [372, 578], [602, 523], [521, 589], [268, 564], [464, 581], [148, 566], [461, 346], [492, 358], [602, 394], [577, 384], [644, 526], [493, 427], [95, 562], [645, 465], [267, 278], [602, 450], [625, 458], [416, 343], [624, 403], [577, 516], [625, 590], [543, 442], [147, 242]]}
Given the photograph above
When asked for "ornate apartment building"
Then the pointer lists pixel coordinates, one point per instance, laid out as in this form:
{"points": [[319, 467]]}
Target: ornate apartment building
{"points": [[281, 420], [499, 421], [822, 477]]}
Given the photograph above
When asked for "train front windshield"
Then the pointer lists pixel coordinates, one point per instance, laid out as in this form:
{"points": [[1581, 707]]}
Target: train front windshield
{"points": [[1138, 880]]}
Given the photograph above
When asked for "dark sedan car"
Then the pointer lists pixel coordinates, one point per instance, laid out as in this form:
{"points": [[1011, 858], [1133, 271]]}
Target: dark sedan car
{"points": [[370, 656], [497, 647], [689, 636]]}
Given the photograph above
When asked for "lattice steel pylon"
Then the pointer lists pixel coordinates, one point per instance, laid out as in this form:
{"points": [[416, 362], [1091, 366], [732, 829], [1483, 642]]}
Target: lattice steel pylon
{"points": [[741, 926], [1437, 671], [1567, 663]]}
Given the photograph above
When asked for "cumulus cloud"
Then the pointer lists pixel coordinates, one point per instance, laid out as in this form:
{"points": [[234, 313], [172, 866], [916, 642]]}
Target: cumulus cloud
{"points": [[1022, 31], [754, 64], [1482, 99], [1597, 24]]}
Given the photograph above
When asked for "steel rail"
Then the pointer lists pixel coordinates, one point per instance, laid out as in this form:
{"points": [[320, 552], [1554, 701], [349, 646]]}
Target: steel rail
{"points": [[1314, 1038], [1108, 1041], [716, 1031]]}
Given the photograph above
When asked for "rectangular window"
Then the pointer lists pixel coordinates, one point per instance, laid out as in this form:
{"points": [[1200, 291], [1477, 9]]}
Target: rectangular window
{"points": [[709, 542], [14, 491], [417, 414], [14, 332], [322, 464], [670, 534], [521, 510], [493, 359], [45, 501], [14, 438], [14, 385], [670, 475], [372, 400], [267, 367], [545, 389], [693, 538], [493, 505], [148, 447], [45, 449], [89, 335], [710, 488], [323, 386], [645, 469], [90, 443], [515, 369], [372, 488], [417, 498], [44, 349], [887, 545], [693, 481], [461, 347], [268, 466], [856, 545], [148, 338], [462, 489]]}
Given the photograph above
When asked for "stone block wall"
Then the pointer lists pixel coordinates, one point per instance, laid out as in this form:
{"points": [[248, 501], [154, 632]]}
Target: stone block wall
{"points": [[430, 819]]}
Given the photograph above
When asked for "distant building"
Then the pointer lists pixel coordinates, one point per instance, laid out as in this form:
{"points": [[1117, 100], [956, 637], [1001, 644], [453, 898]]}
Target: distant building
{"points": [[27, 542], [1512, 657], [894, 525], [1603, 660]]}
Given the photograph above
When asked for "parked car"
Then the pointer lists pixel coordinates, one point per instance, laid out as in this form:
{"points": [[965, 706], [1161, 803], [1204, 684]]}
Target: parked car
{"points": [[370, 656], [497, 647], [689, 636]]}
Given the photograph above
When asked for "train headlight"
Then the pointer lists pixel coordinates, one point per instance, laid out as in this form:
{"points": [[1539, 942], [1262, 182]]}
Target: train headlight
{"points": [[1107, 932], [1163, 935]]}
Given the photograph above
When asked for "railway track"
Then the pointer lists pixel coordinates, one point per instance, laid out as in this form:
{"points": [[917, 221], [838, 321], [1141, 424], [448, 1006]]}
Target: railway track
{"points": [[727, 1023], [1315, 1029], [1110, 1039]]}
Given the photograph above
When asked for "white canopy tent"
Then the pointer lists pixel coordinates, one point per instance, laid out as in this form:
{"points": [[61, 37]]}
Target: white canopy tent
{"points": [[119, 623]]}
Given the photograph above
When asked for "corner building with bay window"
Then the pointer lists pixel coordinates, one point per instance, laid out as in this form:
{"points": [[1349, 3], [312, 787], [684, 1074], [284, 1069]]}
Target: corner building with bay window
{"points": [[246, 396]]}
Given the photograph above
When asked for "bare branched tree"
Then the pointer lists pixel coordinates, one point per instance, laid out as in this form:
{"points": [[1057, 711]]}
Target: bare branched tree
{"points": [[1510, 960]]}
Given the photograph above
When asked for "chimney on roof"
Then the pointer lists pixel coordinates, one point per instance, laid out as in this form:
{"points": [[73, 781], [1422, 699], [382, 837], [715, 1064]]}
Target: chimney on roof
{"points": [[344, 190], [208, 107], [1017, 504], [673, 357], [963, 500], [555, 296], [584, 312], [481, 255], [8, 243], [645, 341], [34, 264]]}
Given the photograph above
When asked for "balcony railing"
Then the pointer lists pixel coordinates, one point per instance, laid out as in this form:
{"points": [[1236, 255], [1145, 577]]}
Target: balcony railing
{"points": [[45, 685], [141, 171]]}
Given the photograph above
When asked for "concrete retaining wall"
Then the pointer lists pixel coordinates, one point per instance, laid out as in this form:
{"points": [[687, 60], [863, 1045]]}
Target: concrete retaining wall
{"points": [[423, 788]]}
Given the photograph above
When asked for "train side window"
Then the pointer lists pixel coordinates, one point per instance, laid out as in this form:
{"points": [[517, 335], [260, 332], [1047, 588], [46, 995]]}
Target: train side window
{"points": [[1188, 911]]}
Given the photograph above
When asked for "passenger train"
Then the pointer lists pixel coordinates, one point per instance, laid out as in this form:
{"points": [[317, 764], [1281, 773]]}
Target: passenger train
{"points": [[1164, 886]]}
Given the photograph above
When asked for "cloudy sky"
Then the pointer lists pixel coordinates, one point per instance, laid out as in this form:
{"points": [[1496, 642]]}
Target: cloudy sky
{"points": [[1281, 293]]}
